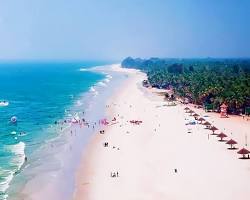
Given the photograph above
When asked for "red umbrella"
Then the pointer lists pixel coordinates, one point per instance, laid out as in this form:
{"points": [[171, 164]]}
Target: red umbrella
{"points": [[231, 142], [244, 152], [213, 128], [222, 135]]}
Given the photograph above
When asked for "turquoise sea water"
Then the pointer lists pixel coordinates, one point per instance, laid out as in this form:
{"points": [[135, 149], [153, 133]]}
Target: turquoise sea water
{"points": [[38, 95]]}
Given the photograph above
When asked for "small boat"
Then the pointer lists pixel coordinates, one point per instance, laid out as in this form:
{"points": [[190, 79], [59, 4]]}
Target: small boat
{"points": [[4, 103]]}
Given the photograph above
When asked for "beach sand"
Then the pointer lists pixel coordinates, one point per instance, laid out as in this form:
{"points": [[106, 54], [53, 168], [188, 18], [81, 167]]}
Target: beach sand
{"points": [[159, 159]]}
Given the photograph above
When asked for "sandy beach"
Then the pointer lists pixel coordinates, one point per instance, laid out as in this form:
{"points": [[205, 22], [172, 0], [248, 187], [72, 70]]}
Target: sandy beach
{"points": [[161, 158]]}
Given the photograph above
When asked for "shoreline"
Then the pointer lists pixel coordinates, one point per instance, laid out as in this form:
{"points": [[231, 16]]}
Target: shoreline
{"points": [[149, 154], [83, 171], [57, 161]]}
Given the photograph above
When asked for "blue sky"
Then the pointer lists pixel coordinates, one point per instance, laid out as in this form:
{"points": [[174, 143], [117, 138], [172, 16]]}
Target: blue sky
{"points": [[114, 29]]}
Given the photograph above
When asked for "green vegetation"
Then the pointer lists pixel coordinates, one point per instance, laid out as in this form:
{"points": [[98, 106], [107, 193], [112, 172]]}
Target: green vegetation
{"points": [[201, 81]]}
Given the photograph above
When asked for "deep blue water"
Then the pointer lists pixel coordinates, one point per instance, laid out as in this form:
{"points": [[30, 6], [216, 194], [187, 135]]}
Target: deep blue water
{"points": [[38, 95]]}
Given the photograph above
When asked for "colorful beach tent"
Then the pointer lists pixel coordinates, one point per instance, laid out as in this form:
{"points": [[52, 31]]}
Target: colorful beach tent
{"points": [[244, 152]]}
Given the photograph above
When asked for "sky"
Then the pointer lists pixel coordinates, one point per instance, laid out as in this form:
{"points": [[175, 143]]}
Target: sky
{"points": [[115, 29]]}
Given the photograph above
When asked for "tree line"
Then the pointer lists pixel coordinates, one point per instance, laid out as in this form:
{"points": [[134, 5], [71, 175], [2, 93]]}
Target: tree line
{"points": [[201, 81]]}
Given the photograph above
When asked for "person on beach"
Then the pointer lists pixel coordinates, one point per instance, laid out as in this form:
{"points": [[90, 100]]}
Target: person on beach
{"points": [[113, 174], [106, 144]]}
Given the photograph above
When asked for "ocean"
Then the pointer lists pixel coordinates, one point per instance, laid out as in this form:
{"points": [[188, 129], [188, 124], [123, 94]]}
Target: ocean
{"points": [[39, 95]]}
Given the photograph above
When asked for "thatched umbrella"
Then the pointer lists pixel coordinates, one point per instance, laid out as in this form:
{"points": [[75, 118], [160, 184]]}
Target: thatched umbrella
{"points": [[201, 119], [221, 136], [244, 152], [231, 142], [186, 108], [190, 112], [207, 124], [213, 128], [195, 115]]}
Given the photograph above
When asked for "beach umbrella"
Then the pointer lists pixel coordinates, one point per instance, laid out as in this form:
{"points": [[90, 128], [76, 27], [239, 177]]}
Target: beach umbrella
{"points": [[195, 116], [213, 128], [221, 136], [186, 108], [201, 119], [244, 152], [207, 124], [189, 111], [231, 142]]}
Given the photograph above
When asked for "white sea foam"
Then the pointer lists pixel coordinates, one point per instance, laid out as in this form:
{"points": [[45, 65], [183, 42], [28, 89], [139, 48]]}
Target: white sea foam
{"points": [[17, 161], [82, 69], [93, 90], [109, 76], [101, 84], [7, 177], [107, 80], [18, 150]]}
